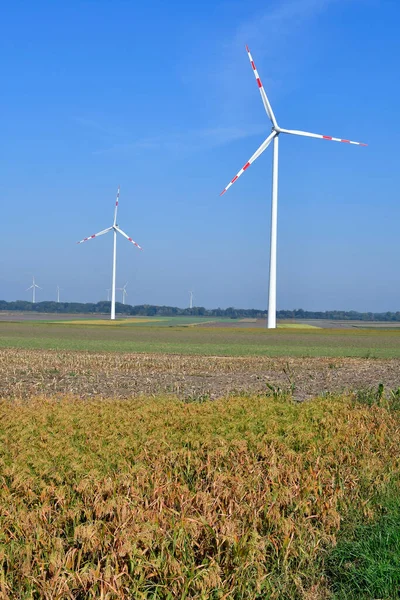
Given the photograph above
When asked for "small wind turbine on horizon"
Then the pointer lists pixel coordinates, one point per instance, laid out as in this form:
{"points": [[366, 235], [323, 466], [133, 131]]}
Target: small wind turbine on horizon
{"points": [[124, 292], [274, 135], [108, 290], [190, 299], [58, 293], [33, 288], [115, 229]]}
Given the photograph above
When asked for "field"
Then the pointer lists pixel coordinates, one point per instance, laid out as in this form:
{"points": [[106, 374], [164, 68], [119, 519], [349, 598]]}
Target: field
{"points": [[205, 461], [212, 339], [24, 373], [153, 498]]}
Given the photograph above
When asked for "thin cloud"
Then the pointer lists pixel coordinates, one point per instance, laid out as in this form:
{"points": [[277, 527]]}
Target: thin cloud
{"points": [[190, 141], [270, 33], [270, 28], [106, 129], [279, 40]]}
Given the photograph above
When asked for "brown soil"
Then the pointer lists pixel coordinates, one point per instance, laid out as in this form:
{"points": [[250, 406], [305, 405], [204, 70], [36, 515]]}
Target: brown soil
{"points": [[27, 372]]}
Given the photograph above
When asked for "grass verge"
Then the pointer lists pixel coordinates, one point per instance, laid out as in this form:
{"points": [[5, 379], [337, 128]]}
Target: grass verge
{"points": [[366, 563]]}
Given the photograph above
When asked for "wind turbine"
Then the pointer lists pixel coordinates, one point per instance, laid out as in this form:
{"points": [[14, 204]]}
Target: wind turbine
{"points": [[274, 135], [33, 288], [124, 292], [58, 293], [190, 299], [115, 229], [108, 290]]}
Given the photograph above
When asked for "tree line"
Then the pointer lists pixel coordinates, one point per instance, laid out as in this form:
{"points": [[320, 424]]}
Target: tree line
{"points": [[148, 310]]}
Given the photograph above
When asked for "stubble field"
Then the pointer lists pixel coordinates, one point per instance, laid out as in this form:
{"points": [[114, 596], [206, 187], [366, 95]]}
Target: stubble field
{"points": [[24, 373]]}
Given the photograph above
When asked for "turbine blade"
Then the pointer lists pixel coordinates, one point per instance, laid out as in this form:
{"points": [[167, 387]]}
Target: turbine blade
{"points": [[116, 207], [264, 96], [95, 235], [256, 154], [128, 238], [322, 137]]}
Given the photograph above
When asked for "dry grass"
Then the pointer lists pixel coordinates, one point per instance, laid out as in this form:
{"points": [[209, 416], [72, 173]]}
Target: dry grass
{"points": [[154, 498]]}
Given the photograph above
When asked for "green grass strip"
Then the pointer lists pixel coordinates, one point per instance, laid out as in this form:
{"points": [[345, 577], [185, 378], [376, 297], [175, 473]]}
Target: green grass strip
{"points": [[366, 565]]}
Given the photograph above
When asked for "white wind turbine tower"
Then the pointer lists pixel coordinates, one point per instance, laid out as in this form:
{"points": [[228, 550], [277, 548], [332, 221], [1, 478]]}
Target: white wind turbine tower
{"points": [[190, 299], [108, 290], [274, 135], [115, 229], [124, 292], [58, 293], [33, 288]]}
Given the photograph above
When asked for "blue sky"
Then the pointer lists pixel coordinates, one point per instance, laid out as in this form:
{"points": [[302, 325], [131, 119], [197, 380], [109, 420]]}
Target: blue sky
{"points": [[160, 98]]}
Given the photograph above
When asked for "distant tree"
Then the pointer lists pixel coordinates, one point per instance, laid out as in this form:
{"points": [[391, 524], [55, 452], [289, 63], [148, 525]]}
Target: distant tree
{"points": [[103, 307]]}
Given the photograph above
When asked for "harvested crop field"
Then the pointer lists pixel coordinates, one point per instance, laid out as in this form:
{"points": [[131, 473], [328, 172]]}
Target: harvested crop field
{"points": [[26, 372]]}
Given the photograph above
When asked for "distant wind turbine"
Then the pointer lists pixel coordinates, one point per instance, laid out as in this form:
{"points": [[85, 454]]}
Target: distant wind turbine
{"points": [[58, 293], [274, 136], [108, 290], [124, 292], [115, 229], [190, 299], [33, 288]]}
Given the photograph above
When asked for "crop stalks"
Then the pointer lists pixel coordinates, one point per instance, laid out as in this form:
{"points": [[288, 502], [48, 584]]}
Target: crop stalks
{"points": [[26, 373], [155, 498]]}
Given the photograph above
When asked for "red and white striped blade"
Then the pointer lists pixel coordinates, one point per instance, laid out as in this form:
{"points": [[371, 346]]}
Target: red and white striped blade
{"points": [[91, 237], [128, 238], [116, 207], [321, 137], [256, 154], [264, 96]]}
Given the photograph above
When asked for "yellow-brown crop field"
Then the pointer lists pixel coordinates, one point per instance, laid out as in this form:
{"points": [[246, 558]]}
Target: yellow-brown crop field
{"points": [[153, 497]]}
